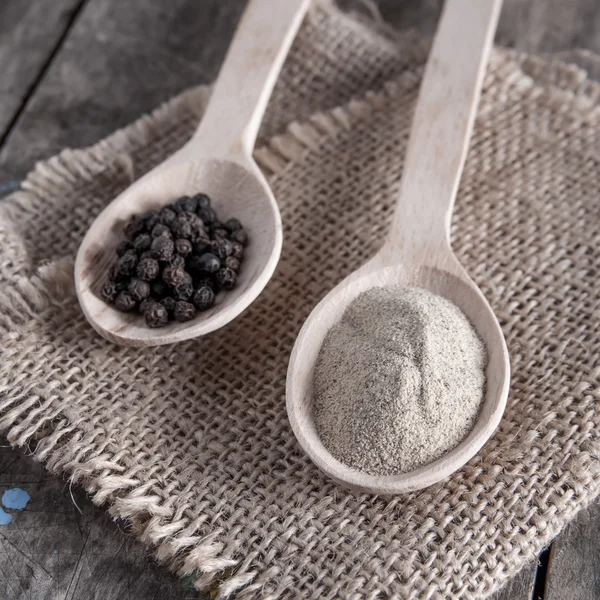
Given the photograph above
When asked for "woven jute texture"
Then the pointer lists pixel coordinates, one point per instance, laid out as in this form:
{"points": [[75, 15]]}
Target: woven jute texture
{"points": [[191, 442]]}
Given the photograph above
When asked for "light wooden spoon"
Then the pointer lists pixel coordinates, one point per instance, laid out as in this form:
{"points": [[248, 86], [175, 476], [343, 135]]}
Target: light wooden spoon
{"points": [[417, 251], [217, 161]]}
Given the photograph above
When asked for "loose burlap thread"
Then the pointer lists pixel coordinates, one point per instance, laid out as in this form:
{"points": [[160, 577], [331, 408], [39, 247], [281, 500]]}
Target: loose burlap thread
{"points": [[191, 442]]}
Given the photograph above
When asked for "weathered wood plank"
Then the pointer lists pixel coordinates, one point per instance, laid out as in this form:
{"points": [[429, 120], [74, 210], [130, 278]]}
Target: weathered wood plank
{"points": [[29, 32], [574, 568], [51, 551], [108, 73], [121, 59], [535, 26], [519, 587]]}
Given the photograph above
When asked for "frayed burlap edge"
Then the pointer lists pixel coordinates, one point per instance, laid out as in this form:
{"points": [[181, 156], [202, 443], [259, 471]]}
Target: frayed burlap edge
{"points": [[561, 85]]}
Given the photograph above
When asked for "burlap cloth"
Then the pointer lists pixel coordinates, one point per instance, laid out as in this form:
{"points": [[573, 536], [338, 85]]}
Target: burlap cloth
{"points": [[191, 442]]}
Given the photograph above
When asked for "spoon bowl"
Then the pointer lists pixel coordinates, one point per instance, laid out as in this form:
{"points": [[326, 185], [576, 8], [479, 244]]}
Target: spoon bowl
{"points": [[417, 251], [237, 190], [448, 280], [217, 161]]}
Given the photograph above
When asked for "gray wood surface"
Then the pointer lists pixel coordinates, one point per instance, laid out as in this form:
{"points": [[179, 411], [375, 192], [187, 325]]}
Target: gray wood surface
{"points": [[120, 60], [530, 25], [52, 551], [519, 587], [574, 567], [72, 72], [30, 32]]}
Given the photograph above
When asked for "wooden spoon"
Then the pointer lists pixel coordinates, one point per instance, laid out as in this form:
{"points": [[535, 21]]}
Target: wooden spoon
{"points": [[417, 251], [217, 161]]}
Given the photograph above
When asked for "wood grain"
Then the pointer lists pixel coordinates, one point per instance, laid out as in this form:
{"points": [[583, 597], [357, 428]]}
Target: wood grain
{"points": [[535, 26], [519, 587], [417, 250], [243, 87], [221, 179], [106, 73], [121, 59], [52, 551], [218, 161], [29, 32], [574, 567]]}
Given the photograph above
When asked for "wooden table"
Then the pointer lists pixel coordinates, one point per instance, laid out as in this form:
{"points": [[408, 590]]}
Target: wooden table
{"points": [[72, 71]]}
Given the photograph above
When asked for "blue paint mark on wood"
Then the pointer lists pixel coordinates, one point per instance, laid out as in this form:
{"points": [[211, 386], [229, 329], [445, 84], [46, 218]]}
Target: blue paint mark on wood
{"points": [[16, 498], [5, 518]]}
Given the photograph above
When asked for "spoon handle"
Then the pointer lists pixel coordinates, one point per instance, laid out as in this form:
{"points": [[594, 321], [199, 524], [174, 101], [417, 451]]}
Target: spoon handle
{"points": [[247, 76], [441, 128]]}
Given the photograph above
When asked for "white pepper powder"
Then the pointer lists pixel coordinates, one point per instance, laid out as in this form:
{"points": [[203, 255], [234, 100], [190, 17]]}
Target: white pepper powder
{"points": [[399, 381]]}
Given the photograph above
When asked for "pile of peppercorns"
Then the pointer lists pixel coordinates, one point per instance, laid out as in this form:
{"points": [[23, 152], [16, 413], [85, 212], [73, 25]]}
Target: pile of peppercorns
{"points": [[174, 261]]}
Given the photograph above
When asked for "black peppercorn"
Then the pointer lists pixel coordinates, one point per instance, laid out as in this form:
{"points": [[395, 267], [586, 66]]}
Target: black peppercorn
{"points": [[177, 260], [123, 247], [187, 204], [226, 278], [150, 220], [156, 315], [204, 282], [232, 263], [203, 298], [187, 217], [142, 242], [144, 304], [134, 227], [148, 269], [109, 291], [166, 216], [208, 215], [198, 234], [219, 233], [184, 311], [173, 275], [169, 303], [201, 245], [203, 201], [240, 235], [127, 263], [181, 227], [232, 225], [161, 230], [124, 302], [209, 263], [222, 248], [237, 250], [195, 221], [184, 290], [163, 247], [183, 247], [139, 289]]}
